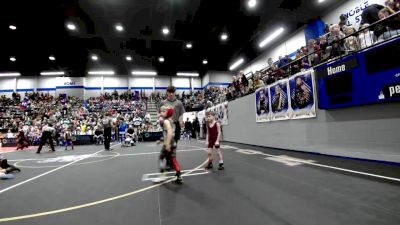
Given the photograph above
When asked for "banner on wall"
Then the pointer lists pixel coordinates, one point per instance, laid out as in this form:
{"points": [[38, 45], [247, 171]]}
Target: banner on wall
{"points": [[201, 115], [280, 101], [263, 108], [221, 112], [302, 95]]}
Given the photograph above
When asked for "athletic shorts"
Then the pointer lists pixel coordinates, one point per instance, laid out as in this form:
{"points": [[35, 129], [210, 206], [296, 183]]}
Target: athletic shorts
{"points": [[164, 153], [211, 144]]}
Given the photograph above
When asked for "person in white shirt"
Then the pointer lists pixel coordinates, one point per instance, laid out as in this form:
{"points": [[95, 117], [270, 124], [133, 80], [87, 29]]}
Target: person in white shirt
{"points": [[366, 37]]}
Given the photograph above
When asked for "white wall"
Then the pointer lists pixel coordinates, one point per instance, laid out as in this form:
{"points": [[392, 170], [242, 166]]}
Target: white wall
{"points": [[118, 83], [287, 47], [162, 82], [140, 82], [353, 9], [182, 84], [196, 84], [46, 83], [368, 132], [26, 85], [7, 86], [205, 80], [115, 82], [93, 81], [219, 77], [145, 84], [72, 86], [91, 86]]}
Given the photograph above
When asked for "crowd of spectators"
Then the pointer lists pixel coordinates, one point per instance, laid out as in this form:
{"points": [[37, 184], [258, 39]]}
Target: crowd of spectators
{"points": [[339, 40], [28, 115]]}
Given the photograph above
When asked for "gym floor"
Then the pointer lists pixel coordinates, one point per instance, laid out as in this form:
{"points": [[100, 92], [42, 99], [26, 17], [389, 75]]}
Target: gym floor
{"points": [[258, 186]]}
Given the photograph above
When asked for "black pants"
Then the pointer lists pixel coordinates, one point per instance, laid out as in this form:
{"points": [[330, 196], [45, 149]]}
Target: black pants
{"points": [[9, 168], [46, 135], [107, 138], [177, 131]]}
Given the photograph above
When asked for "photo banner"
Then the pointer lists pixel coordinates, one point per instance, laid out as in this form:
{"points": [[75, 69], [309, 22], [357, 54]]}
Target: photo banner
{"points": [[201, 115], [302, 95], [280, 101], [263, 110], [221, 112]]}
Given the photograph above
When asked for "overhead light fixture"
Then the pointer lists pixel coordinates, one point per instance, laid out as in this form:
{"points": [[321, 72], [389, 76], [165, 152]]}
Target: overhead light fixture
{"points": [[71, 26], [165, 30], [205, 61], [252, 3], [189, 45], [188, 74], [100, 72], [52, 73], [145, 73], [236, 64], [16, 74], [224, 36], [12, 27], [52, 58], [161, 59], [271, 37], [128, 58], [320, 1], [119, 27], [13, 59], [95, 58]]}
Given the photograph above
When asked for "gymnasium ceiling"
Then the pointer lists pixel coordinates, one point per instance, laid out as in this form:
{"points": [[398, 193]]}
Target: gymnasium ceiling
{"points": [[41, 31]]}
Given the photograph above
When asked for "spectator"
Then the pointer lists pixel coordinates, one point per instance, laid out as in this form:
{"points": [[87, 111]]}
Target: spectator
{"points": [[366, 37], [335, 40], [392, 25], [351, 43]]}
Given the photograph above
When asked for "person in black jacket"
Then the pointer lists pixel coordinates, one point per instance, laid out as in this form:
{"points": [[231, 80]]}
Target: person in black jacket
{"points": [[196, 128]]}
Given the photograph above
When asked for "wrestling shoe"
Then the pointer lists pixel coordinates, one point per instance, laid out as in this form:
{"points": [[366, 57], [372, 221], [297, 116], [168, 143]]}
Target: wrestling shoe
{"points": [[178, 180], [209, 166]]}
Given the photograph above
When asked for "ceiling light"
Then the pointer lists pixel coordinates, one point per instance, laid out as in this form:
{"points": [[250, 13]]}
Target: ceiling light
{"points": [[128, 58], [224, 36], [320, 1], [12, 27], [147, 73], [52, 73], [71, 26], [105, 72], [95, 58], [13, 59], [161, 59], [271, 37], [236, 64], [189, 45], [205, 61], [10, 74], [119, 28], [165, 31], [52, 58], [188, 74], [252, 3]]}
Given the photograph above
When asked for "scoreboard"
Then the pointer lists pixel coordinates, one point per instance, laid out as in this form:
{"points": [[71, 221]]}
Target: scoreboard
{"points": [[367, 77]]}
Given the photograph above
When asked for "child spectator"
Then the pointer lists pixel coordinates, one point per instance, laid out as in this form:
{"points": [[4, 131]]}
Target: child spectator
{"points": [[366, 37]]}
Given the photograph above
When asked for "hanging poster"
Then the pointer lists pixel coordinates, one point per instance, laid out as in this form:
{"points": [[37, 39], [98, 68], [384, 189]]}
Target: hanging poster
{"points": [[221, 112], [280, 101], [302, 95], [263, 112]]}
